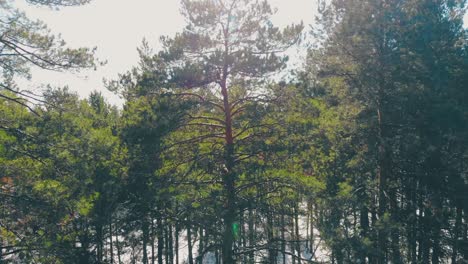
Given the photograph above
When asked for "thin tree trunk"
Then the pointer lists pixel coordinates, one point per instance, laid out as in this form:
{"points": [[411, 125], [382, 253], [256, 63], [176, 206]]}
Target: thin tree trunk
{"points": [[425, 245], [111, 243], [251, 225], [456, 234], [435, 231], [283, 238], [145, 231], [177, 231], [292, 243], [382, 171], [160, 239], [117, 244], [153, 240], [200, 247], [298, 237], [1, 250], [189, 244], [395, 234], [217, 256], [166, 242], [99, 242], [271, 243]]}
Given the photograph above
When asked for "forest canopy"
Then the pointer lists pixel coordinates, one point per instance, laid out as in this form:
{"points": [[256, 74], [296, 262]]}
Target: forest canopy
{"points": [[221, 153]]}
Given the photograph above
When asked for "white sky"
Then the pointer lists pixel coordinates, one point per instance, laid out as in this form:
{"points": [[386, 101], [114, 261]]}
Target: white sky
{"points": [[117, 27]]}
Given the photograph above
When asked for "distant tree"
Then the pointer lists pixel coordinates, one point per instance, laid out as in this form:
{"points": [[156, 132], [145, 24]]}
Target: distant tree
{"points": [[25, 43], [227, 49], [403, 63]]}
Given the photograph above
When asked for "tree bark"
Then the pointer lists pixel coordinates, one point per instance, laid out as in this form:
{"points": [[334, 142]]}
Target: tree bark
{"points": [[298, 237], [145, 231], [189, 244], [159, 228], [456, 234], [111, 243], [251, 225]]}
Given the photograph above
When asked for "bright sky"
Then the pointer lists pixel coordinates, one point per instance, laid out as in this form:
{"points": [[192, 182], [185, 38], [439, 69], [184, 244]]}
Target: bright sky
{"points": [[117, 27]]}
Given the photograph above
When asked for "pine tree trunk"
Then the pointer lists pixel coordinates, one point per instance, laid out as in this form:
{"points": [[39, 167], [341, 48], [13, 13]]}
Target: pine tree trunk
{"points": [[456, 234], [117, 244], [243, 236], [1, 249], [412, 225], [99, 241], [364, 223], [251, 225], [176, 246], [111, 242], [464, 249], [159, 231], [395, 234], [229, 175], [425, 237], [230, 208], [283, 238], [298, 237], [145, 232], [271, 243], [292, 243], [200, 247], [373, 253], [382, 181], [171, 244], [153, 240], [189, 244], [435, 231], [166, 242]]}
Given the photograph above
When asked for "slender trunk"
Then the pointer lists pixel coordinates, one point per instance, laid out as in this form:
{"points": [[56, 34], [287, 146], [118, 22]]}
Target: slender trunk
{"points": [[229, 174], [464, 249], [145, 231], [420, 227], [292, 243], [176, 246], [283, 238], [412, 226], [307, 238], [117, 244], [111, 243], [426, 243], [298, 237], [1, 253], [189, 244], [152, 242], [456, 234], [312, 226], [271, 243], [99, 242], [166, 243], [200, 247], [373, 254], [251, 225], [229, 215], [160, 239], [382, 181], [1, 250], [217, 256], [395, 234], [243, 236], [435, 231], [171, 244]]}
